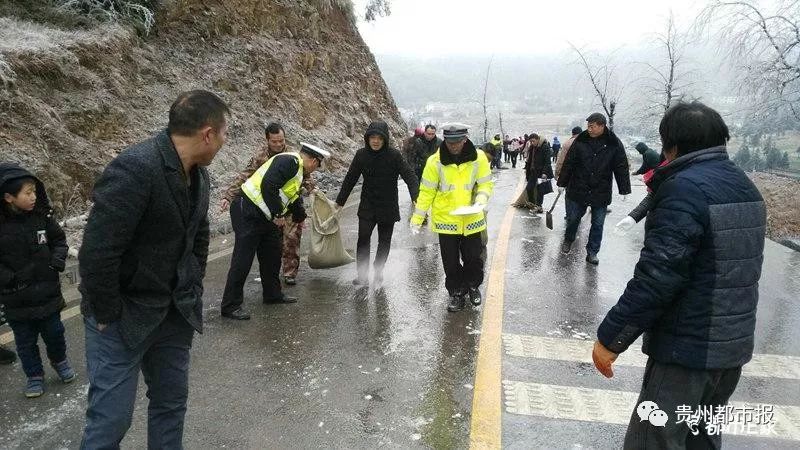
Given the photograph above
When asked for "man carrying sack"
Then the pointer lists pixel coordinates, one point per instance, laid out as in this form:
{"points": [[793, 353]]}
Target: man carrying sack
{"points": [[456, 185], [269, 198]]}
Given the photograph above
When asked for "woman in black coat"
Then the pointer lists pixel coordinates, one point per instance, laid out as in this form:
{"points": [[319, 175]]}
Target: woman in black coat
{"points": [[538, 166], [380, 165]]}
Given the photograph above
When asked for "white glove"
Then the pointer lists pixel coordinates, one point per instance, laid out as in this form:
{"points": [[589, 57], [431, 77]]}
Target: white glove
{"points": [[561, 190], [415, 229], [624, 226]]}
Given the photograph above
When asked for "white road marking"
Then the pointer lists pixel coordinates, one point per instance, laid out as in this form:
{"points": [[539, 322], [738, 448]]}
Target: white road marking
{"points": [[616, 407], [576, 350]]}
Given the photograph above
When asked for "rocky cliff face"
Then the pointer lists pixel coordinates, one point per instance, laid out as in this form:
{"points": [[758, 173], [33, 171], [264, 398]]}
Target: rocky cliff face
{"points": [[73, 95]]}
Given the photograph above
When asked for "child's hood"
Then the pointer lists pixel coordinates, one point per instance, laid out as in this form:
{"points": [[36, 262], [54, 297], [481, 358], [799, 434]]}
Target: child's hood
{"points": [[13, 171]]}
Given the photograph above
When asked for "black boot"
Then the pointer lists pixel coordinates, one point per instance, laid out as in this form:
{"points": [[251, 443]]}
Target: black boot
{"points": [[457, 302], [7, 356], [475, 296]]}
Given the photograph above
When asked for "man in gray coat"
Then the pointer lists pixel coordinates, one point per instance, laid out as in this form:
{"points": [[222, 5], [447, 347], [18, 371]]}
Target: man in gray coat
{"points": [[142, 265]]}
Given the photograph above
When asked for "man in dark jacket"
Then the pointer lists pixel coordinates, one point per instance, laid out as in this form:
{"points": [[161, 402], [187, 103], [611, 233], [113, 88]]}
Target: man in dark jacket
{"points": [[142, 265], [695, 288], [424, 147], [650, 159], [556, 148], [380, 165], [594, 156]]}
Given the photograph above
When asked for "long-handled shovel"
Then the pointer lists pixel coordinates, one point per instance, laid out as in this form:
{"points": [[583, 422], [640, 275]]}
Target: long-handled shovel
{"points": [[549, 217]]}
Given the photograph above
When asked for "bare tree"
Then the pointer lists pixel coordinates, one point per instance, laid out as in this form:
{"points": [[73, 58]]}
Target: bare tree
{"points": [[376, 9], [483, 104], [604, 83], [500, 119], [668, 81], [766, 43]]}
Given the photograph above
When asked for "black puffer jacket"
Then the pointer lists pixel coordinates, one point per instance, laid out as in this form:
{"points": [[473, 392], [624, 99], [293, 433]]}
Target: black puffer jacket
{"points": [[590, 163], [695, 288], [380, 169], [33, 249]]}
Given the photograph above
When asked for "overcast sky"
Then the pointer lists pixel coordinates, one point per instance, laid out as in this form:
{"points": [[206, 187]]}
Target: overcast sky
{"points": [[438, 27]]}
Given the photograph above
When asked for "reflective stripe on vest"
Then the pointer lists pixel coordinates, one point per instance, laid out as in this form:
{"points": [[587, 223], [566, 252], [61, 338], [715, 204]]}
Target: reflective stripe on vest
{"points": [[443, 185], [288, 193], [473, 177]]}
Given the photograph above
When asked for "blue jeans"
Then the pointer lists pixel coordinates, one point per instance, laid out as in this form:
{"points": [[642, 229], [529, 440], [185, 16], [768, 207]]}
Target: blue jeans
{"points": [[26, 335], [575, 212], [113, 371]]}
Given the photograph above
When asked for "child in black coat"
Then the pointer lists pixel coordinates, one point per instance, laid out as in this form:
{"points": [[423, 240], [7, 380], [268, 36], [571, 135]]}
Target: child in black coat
{"points": [[33, 249]]}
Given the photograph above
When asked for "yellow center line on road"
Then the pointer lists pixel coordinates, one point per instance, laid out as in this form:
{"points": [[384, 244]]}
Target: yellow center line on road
{"points": [[486, 427]]}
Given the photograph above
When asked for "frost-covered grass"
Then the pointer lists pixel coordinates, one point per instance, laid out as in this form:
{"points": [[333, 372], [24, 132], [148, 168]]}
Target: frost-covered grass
{"points": [[33, 48], [139, 13], [21, 36]]}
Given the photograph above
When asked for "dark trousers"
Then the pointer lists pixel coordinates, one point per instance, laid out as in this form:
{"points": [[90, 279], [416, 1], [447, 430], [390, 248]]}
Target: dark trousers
{"points": [[255, 236], [26, 335], [669, 386], [113, 371], [514, 156], [535, 195], [462, 260], [575, 212], [365, 229], [498, 159]]}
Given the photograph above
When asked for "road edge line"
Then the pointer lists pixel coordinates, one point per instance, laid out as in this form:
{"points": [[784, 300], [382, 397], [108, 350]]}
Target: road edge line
{"points": [[486, 424]]}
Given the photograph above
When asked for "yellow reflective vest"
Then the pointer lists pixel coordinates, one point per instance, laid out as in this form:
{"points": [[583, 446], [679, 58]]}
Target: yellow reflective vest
{"points": [[288, 193], [444, 188]]}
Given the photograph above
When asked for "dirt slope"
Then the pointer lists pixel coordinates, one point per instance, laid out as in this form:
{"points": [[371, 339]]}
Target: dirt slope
{"points": [[74, 93]]}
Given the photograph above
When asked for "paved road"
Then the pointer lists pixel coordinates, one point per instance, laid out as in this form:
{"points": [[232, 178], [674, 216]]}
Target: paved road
{"points": [[348, 368]]}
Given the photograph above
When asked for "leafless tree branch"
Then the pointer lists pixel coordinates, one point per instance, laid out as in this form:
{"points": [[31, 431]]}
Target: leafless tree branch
{"points": [[601, 79]]}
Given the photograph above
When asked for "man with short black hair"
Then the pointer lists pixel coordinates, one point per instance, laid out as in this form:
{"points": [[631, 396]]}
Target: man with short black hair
{"points": [[142, 265], [694, 290], [593, 158], [423, 148]]}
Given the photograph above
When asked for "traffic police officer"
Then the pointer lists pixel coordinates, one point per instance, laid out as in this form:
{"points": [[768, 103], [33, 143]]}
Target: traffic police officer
{"points": [[269, 198], [457, 176]]}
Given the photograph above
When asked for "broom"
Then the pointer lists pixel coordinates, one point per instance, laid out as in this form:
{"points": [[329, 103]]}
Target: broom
{"points": [[549, 217]]}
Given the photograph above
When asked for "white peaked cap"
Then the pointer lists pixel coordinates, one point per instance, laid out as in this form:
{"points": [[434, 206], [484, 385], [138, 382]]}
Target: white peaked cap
{"points": [[314, 150]]}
